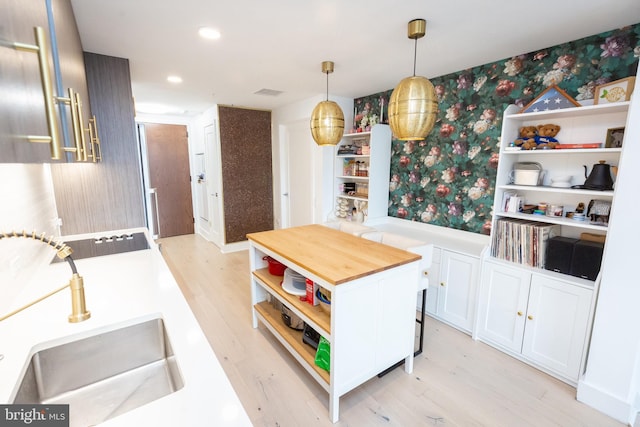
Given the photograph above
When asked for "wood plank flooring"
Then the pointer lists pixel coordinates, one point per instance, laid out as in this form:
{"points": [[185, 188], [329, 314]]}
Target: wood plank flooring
{"points": [[455, 382]]}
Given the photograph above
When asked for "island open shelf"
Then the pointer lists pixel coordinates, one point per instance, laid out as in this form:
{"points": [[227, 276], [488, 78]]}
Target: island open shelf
{"points": [[290, 337], [321, 318]]}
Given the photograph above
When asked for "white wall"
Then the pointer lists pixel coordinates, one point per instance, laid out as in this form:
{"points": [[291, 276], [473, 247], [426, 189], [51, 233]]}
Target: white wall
{"points": [[611, 383], [321, 175], [28, 203]]}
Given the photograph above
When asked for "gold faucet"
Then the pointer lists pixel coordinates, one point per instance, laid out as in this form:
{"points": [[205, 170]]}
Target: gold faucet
{"points": [[79, 311]]}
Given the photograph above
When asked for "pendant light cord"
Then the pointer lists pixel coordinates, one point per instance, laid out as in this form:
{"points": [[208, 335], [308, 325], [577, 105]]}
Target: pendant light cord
{"points": [[415, 55], [327, 73]]}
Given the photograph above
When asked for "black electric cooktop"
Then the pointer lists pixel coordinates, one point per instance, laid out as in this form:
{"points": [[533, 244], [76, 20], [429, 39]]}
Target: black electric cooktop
{"points": [[110, 245]]}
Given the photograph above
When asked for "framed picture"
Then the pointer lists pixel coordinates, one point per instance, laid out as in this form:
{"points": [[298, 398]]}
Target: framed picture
{"points": [[552, 98], [617, 91], [614, 138]]}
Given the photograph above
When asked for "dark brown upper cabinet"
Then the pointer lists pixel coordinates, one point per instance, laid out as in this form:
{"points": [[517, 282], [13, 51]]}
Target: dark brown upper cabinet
{"points": [[23, 106]]}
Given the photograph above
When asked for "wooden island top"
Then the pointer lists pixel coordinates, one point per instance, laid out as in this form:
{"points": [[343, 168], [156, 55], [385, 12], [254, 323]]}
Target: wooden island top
{"points": [[333, 255]]}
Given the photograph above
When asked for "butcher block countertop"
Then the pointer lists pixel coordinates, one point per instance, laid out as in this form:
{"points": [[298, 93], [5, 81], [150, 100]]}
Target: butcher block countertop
{"points": [[332, 255]]}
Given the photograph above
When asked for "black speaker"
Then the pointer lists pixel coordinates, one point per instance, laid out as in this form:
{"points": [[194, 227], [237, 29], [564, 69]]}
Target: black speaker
{"points": [[587, 257], [560, 254]]}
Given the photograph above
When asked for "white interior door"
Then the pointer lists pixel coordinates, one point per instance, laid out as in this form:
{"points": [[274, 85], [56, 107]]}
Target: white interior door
{"points": [[298, 175], [212, 184], [201, 191]]}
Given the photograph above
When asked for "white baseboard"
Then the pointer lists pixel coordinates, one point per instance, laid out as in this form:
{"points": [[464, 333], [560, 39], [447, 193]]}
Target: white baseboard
{"points": [[606, 403], [235, 247]]}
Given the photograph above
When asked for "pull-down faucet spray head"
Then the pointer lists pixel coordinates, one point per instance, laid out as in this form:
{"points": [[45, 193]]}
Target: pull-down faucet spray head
{"points": [[79, 310]]}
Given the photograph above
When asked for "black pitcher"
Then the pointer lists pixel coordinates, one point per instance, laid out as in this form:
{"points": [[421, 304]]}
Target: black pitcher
{"points": [[599, 178]]}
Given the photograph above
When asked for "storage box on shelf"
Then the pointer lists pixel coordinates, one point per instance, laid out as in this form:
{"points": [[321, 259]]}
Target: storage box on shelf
{"points": [[537, 315], [361, 177]]}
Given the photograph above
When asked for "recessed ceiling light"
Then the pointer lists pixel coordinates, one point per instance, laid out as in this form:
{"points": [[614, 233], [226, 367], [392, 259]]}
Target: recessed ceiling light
{"points": [[174, 79], [209, 33]]}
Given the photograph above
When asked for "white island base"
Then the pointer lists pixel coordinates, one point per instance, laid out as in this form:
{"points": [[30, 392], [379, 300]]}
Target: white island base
{"points": [[373, 287]]}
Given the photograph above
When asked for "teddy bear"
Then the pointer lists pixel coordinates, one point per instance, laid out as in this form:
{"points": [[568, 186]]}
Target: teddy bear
{"points": [[546, 136], [526, 140]]}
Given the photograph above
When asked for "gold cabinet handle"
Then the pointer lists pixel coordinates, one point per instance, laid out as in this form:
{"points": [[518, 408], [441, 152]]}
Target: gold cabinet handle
{"points": [[519, 313], [425, 273], [95, 143], [83, 141], [76, 124], [442, 284], [530, 317], [42, 49]]}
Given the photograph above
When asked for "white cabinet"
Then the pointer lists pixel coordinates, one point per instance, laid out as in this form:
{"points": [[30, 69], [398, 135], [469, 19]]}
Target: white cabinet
{"points": [[361, 178], [538, 318], [502, 305], [452, 292], [434, 283]]}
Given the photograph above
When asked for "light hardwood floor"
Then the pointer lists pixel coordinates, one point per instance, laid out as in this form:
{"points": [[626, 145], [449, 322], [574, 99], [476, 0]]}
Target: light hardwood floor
{"points": [[455, 382]]}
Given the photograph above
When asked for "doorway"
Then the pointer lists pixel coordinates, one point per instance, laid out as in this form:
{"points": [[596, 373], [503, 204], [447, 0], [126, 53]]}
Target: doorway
{"points": [[297, 175], [169, 179]]}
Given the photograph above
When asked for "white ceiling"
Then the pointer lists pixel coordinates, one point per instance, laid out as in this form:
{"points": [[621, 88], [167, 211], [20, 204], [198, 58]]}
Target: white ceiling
{"points": [[280, 44]]}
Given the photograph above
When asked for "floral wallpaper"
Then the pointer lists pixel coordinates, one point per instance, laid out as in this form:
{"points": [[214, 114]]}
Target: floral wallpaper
{"points": [[448, 179]]}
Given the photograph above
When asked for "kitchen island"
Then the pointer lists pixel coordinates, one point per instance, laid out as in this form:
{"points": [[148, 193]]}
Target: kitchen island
{"points": [[122, 289], [373, 288]]}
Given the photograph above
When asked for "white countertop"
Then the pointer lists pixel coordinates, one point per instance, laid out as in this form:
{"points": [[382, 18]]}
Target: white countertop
{"points": [[446, 238], [119, 289]]}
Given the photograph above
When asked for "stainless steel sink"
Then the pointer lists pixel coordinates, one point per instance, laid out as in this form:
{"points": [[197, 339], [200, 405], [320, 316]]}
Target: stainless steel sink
{"points": [[104, 375]]}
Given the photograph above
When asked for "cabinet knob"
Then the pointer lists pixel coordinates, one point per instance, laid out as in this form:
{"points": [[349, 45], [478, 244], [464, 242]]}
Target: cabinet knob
{"points": [[519, 313], [425, 273], [442, 284], [530, 317]]}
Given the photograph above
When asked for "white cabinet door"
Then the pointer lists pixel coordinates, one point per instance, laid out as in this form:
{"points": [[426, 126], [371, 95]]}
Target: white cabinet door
{"points": [[457, 287], [434, 283], [503, 297], [557, 319]]}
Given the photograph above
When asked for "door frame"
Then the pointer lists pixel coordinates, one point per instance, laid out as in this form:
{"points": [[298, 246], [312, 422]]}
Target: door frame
{"points": [[149, 207], [214, 188], [140, 119], [320, 175]]}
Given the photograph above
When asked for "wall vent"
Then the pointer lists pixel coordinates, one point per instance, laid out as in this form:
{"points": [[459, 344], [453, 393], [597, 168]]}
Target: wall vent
{"points": [[268, 92]]}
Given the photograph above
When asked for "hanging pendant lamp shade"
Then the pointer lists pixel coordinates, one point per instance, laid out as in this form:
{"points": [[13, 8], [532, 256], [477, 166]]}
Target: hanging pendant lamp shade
{"points": [[327, 118], [413, 105]]}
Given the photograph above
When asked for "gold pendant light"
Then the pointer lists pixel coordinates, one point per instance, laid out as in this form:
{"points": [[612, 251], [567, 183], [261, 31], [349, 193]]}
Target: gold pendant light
{"points": [[327, 119], [413, 106]]}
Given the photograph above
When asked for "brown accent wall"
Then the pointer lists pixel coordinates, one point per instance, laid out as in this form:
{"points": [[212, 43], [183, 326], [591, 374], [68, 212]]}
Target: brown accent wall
{"points": [[247, 179]]}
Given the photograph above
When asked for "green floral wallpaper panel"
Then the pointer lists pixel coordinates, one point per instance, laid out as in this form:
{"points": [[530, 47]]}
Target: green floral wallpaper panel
{"points": [[448, 179]]}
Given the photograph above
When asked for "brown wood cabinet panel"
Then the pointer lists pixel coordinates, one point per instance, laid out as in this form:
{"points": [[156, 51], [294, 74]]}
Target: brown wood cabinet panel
{"points": [[107, 195], [71, 60], [22, 110], [247, 178]]}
